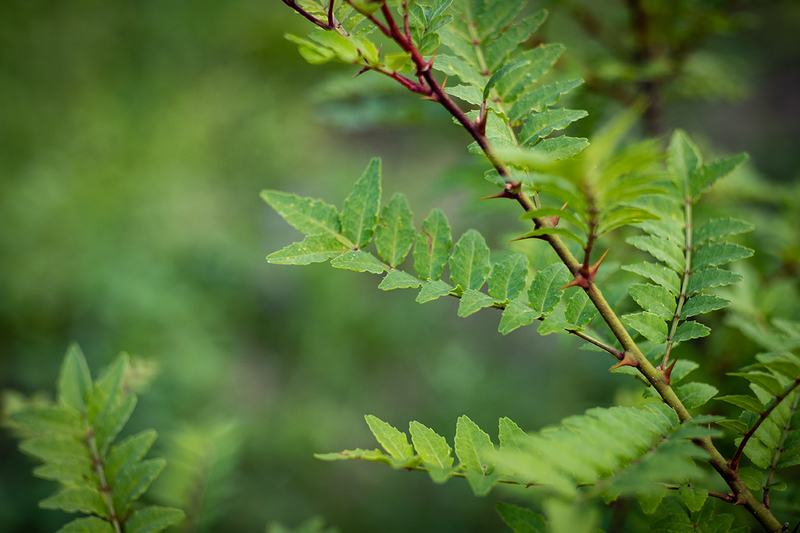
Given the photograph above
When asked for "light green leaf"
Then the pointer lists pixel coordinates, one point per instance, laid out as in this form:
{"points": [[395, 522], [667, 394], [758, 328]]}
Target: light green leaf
{"points": [[544, 293], [456, 66], [510, 37], [310, 216], [475, 451], [311, 51], [661, 249], [553, 324], [432, 248], [107, 426], [540, 125], [395, 233], [747, 403], [468, 93], [508, 277], [431, 290], [91, 524], [562, 147], [702, 303], [565, 214], [683, 158], [690, 330], [376, 456], [133, 481], [710, 278], [515, 315], [434, 451], [68, 473], [704, 177], [473, 301], [540, 99], [662, 275], [580, 310], [74, 380], [695, 394], [469, 264], [655, 299], [521, 520], [313, 249], [624, 216], [394, 441], [56, 449], [83, 499], [51, 420], [512, 438], [153, 519], [682, 369], [127, 453], [717, 228], [397, 279], [396, 62], [650, 326], [360, 213], [360, 261], [719, 253]]}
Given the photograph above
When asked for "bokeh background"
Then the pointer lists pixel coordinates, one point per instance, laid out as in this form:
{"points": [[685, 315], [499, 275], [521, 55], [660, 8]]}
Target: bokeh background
{"points": [[134, 140]]}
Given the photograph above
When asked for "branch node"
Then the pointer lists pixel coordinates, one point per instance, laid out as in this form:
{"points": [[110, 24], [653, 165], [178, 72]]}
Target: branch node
{"points": [[627, 360]]}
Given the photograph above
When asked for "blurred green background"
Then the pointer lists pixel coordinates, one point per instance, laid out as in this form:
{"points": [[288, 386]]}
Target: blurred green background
{"points": [[134, 140]]}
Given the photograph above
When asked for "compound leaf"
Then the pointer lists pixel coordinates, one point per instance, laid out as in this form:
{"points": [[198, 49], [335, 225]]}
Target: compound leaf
{"points": [[313, 249], [508, 277], [397, 279], [475, 451], [473, 301], [515, 315], [650, 326], [153, 519]]}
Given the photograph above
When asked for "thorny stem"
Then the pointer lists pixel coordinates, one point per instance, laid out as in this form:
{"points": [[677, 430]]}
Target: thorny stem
{"points": [[778, 451], [654, 377], [761, 417], [105, 490], [325, 26], [687, 272]]}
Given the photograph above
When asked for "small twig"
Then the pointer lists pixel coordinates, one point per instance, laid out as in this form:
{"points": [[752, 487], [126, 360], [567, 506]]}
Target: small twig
{"points": [[729, 497], [734, 463], [309, 16], [331, 21]]}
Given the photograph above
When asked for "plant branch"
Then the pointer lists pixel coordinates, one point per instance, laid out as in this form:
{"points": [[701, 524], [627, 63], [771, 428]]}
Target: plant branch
{"points": [[105, 489], [761, 418], [729, 497], [779, 449], [325, 26], [687, 272]]}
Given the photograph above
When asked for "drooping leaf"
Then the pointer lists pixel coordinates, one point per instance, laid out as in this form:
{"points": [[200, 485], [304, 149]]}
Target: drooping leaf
{"points": [[650, 326], [74, 380], [397, 279], [515, 315], [716, 254], [307, 215], [434, 451], [544, 293], [313, 249], [683, 158], [395, 232], [431, 290], [580, 310], [653, 298], [473, 301], [153, 519], [690, 330], [432, 247], [717, 228], [91, 524], [360, 261], [469, 264], [663, 276], [475, 451], [520, 519], [508, 277], [360, 213], [394, 441]]}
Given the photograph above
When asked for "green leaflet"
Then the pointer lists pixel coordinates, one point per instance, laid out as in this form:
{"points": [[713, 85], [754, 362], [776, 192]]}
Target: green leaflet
{"points": [[307, 215], [690, 330], [720, 227], [360, 261], [360, 213], [710, 278], [425, 22], [695, 394], [515, 315], [580, 310], [391, 439], [540, 125], [77, 500], [563, 147], [456, 66], [52, 420], [716, 254], [395, 232], [521, 520], [650, 326], [508, 277], [432, 247], [153, 519], [397, 279], [130, 451], [91, 524], [313, 249], [663, 276], [511, 437], [431, 290], [655, 299], [702, 178], [68, 473], [540, 60], [56, 449], [496, 53], [473, 301], [650, 501], [540, 99], [662, 250], [702, 303], [132, 482], [553, 324], [499, 75], [468, 93], [434, 451], [745, 402], [469, 264], [683, 158], [475, 451], [74, 381]]}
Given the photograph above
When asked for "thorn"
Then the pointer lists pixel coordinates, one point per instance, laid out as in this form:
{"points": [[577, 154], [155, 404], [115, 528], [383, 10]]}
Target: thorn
{"points": [[667, 373], [627, 360], [578, 281], [593, 269], [739, 500], [481, 122], [505, 193], [430, 65], [360, 72]]}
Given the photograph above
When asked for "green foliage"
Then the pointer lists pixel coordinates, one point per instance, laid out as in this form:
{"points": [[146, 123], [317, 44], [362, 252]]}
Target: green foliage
{"points": [[75, 440]]}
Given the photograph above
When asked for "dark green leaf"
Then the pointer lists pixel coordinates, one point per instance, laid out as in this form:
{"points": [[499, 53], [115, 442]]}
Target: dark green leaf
{"points": [[720, 227], [127, 453], [663, 276], [432, 248], [74, 380], [693, 497], [395, 233], [360, 261], [580, 310], [313, 249], [515, 315], [655, 299], [553, 324], [508, 277], [521, 520], [153, 519], [745, 402], [360, 213], [716, 254], [710, 278], [540, 125], [540, 60], [397, 279], [469, 264], [91, 524], [766, 381], [132, 482], [694, 394], [540, 99], [495, 53], [702, 303], [83, 499], [704, 177], [690, 330]]}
